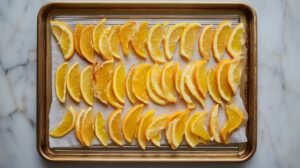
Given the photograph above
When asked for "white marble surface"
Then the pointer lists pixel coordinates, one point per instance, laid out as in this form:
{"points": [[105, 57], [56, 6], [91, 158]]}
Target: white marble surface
{"points": [[278, 87]]}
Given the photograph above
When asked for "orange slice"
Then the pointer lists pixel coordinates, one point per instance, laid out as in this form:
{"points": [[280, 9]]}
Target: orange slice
{"points": [[213, 126], [172, 39], [156, 140], [167, 81], [173, 116], [220, 39], [73, 82], [139, 40], [114, 41], [200, 77], [61, 82], [86, 85], [188, 39], [126, 33], [145, 121], [192, 139], [113, 125], [179, 128], [78, 126], [100, 131], [205, 42], [156, 126], [104, 45], [234, 75], [199, 127], [128, 85], [213, 86], [185, 94], [236, 41], [98, 30], [222, 80], [139, 82], [151, 93], [86, 43], [176, 77], [87, 127], [118, 82], [65, 125], [168, 132], [111, 98], [77, 34], [155, 78], [64, 36], [130, 122]]}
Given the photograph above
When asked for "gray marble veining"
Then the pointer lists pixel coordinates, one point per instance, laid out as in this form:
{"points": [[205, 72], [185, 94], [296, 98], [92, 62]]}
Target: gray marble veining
{"points": [[278, 87]]}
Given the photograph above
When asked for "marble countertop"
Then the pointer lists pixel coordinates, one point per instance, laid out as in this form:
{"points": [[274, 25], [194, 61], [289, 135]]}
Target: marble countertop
{"points": [[278, 87]]}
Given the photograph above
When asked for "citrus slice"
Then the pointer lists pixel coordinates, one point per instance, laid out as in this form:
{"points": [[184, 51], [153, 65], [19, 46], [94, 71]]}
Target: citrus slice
{"points": [[128, 85], [98, 30], [191, 138], [213, 86], [220, 39], [224, 132], [118, 82], [87, 127], [236, 41], [222, 80], [234, 75], [103, 74], [176, 77], [130, 122], [213, 126], [155, 78], [190, 83], [188, 39], [100, 131], [151, 93], [61, 82], [78, 126], [64, 37], [139, 82], [173, 116], [145, 121], [156, 126], [139, 40], [179, 128], [205, 42], [111, 98], [167, 81], [104, 46], [168, 132], [199, 126], [156, 140], [200, 77], [185, 94], [114, 41], [86, 85], [126, 33], [113, 125], [65, 125], [86, 43], [154, 42], [77, 34], [73, 82], [172, 38]]}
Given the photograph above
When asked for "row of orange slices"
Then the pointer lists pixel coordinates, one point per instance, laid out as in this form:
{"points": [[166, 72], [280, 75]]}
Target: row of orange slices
{"points": [[145, 41], [149, 127], [144, 81]]}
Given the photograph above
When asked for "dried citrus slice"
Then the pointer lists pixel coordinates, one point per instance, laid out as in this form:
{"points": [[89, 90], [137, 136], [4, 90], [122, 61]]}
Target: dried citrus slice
{"points": [[200, 77], [176, 77], [213, 126], [191, 83], [61, 82], [113, 125], [103, 74], [236, 41], [167, 81], [199, 126], [100, 131], [154, 42], [234, 75], [139, 40], [151, 93], [128, 85], [104, 46], [179, 128], [222, 80], [220, 39], [77, 35], [155, 78], [213, 86], [172, 38], [205, 42], [86, 85], [130, 122], [188, 39], [118, 82], [156, 126], [185, 94], [64, 37], [126, 33], [65, 125], [86, 43], [73, 82], [87, 127], [114, 41], [190, 137], [139, 82], [111, 98], [145, 121], [98, 30], [78, 125]]}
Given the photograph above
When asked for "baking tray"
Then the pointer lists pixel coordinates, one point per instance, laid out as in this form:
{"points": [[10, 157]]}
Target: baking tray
{"points": [[206, 153]]}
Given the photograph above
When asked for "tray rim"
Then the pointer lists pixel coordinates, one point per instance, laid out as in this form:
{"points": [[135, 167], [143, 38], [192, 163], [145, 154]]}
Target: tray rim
{"points": [[44, 150]]}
